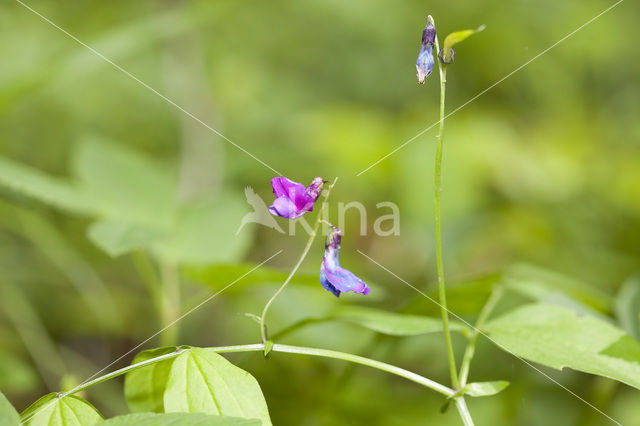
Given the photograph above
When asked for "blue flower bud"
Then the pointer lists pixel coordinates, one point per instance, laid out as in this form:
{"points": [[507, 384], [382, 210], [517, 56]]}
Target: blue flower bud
{"points": [[425, 62]]}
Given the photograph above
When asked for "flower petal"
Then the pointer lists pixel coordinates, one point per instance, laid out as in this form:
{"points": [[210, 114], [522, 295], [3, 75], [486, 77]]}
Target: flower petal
{"points": [[299, 200], [344, 280], [424, 63], [326, 284], [283, 186], [284, 207]]}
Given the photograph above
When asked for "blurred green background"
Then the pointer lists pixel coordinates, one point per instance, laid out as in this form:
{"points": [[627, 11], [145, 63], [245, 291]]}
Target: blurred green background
{"points": [[543, 170]]}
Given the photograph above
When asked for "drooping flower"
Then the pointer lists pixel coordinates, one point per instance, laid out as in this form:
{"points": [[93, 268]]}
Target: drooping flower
{"points": [[292, 198], [424, 63], [333, 277]]}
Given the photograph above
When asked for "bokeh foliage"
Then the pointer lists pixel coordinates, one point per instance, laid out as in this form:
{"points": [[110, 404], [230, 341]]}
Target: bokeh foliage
{"points": [[542, 170]]}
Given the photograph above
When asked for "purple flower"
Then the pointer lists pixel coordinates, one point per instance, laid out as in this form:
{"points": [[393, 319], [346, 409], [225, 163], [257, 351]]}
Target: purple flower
{"points": [[333, 277], [424, 63], [292, 198]]}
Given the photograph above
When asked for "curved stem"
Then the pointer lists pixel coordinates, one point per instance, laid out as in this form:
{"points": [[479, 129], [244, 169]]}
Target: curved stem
{"points": [[314, 232], [278, 348], [491, 303], [368, 362], [442, 295], [129, 368]]}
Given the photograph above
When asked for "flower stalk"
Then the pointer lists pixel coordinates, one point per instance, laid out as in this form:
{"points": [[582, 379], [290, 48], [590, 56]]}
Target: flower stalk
{"points": [[314, 232], [442, 294]]}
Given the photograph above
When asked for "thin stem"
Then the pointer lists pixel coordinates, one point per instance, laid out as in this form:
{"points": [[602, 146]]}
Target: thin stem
{"points": [[132, 367], [369, 363], [314, 232], [469, 352], [461, 406], [278, 348], [442, 295], [170, 302]]}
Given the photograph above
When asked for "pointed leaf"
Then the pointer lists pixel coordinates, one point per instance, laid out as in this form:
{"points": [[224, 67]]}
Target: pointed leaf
{"points": [[8, 415], [484, 388], [457, 37], [392, 323], [558, 337], [178, 419], [202, 381], [144, 388], [67, 411]]}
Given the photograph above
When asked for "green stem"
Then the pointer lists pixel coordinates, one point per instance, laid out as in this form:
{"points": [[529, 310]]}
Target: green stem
{"points": [[278, 348], [442, 295], [368, 362], [170, 302], [469, 352], [314, 232], [461, 405], [132, 367]]}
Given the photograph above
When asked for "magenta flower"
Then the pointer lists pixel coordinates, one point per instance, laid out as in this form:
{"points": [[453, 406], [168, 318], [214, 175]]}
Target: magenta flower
{"points": [[333, 277], [292, 198]]}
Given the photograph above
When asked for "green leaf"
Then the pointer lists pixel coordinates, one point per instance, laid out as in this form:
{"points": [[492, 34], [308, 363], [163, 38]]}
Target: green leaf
{"points": [[205, 232], [627, 306], [124, 184], [8, 415], [454, 38], [220, 275], [476, 389], [67, 411], [45, 188], [118, 238], [625, 348], [268, 345], [178, 419], [557, 337], [144, 388], [547, 286], [483, 388], [392, 323], [203, 381]]}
